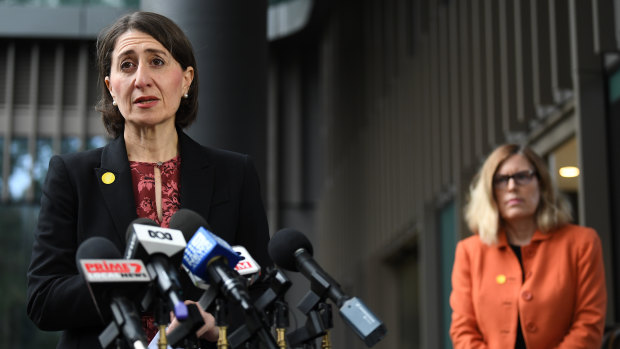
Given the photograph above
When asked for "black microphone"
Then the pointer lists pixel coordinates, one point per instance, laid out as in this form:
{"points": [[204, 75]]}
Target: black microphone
{"points": [[115, 282], [212, 259], [161, 250], [291, 250]]}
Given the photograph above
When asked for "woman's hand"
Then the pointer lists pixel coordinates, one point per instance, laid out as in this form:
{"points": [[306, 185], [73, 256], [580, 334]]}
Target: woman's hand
{"points": [[208, 332]]}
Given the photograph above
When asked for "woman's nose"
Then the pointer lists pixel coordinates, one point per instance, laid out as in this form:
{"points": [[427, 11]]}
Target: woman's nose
{"points": [[511, 183], [143, 76]]}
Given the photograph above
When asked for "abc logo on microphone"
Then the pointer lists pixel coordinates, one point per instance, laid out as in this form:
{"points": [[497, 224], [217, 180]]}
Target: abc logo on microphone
{"points": [[160, 235]]}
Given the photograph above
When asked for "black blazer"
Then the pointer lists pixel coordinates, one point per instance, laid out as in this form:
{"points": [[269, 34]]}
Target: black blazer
{"points": [[220, 185]]}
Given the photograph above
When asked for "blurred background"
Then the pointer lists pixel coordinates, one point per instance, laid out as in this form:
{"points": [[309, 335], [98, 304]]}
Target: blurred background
{"points": [[366, 118]]}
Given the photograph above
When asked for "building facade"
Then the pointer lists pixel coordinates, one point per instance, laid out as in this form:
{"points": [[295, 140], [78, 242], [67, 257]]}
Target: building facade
{"points": [[368, 120], [389, 108]]}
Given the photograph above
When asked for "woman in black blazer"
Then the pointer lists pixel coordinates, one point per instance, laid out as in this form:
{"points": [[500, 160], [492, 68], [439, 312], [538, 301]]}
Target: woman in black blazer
{"points": [[148, 71]]}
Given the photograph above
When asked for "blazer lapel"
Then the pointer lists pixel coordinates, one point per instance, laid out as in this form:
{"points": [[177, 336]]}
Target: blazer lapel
{"points": [[197, 181], [197, 176], [117, 191]]}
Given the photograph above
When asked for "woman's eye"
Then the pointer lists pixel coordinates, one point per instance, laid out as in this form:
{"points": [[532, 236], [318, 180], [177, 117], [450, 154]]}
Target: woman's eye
{"points": [[158, 61], [126, 65], [520, 176], [501, 179]]}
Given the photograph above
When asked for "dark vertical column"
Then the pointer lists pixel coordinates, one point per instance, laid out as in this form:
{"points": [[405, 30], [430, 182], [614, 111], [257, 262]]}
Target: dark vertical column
{"points": [[588, 77], [613, 129], [230, 43], [523, 62], [542, 88], [560, 42], [507, 68], [493, 73]]}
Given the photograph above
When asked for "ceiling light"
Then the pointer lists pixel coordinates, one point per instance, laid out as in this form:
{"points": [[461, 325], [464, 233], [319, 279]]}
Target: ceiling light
{"points": [[569, 171]]}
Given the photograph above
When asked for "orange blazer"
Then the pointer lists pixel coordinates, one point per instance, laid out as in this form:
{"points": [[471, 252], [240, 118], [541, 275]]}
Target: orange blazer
{"points": [[560, 300]]}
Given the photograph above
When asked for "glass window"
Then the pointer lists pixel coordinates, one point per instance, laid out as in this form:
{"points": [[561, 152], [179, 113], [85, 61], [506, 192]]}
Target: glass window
{"points": [[614, 87], [96, 142], [57, 3], [3, 49], [21, 164], [564, 171], [22, 73], [17, 223], [70, 74], [44, 154], [70, 145], [47, 72]]}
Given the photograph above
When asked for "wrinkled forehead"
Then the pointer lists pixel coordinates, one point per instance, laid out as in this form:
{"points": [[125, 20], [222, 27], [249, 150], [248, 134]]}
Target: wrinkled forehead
{"points": [[133, 41]]}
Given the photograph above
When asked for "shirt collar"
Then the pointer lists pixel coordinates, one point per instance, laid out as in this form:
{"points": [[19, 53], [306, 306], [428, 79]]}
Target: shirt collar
{"points": [[502, 240]]}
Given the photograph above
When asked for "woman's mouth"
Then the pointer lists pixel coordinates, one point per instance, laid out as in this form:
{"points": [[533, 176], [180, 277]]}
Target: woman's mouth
{"points": [[146, 101], [513, 202]]}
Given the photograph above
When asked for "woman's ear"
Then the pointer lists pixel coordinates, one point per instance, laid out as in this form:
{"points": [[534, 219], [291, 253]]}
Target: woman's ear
{"points": [[107, 84], [188, 77]]}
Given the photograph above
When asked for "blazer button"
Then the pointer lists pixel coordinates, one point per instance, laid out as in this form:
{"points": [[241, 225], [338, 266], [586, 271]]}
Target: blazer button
{"points": [[531, 327], [527, 295]]}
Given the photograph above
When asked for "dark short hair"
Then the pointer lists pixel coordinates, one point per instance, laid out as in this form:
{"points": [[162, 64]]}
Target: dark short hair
{"points": [[172, 38]]}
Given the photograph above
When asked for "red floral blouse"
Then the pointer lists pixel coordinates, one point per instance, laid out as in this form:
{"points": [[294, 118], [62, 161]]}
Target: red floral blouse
{"points": [[143, 176]]}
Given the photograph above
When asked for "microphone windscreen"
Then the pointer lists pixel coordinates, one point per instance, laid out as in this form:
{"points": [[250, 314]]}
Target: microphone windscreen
{"points": [[97, 247], [283, 245], [188, 222], [141, 220]]}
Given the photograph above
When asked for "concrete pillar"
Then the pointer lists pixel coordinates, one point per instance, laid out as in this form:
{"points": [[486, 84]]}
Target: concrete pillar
{"points": [[230, 44]]}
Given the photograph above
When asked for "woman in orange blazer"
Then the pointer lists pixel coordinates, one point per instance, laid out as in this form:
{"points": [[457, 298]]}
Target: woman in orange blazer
{"points": [[527, 278]]}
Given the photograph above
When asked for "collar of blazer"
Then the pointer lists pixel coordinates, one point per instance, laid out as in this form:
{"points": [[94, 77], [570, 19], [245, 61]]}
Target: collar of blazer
{"points": [[197, 180], [502, 240]]}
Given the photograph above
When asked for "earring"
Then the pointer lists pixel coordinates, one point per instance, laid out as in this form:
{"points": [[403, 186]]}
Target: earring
{"points": [[186, 96], [114, 103]]}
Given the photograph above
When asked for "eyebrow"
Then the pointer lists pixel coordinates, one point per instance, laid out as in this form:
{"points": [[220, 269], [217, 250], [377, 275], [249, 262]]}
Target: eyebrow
{"points": [[148, 50], [514, 173]]}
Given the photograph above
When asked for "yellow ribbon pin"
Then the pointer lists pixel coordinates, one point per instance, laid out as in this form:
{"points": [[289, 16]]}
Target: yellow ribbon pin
{"points": [[108, 178], [501, 279]]}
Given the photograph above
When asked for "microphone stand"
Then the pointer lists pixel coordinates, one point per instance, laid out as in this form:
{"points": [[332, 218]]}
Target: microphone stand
{"points": [[111, 335], [162, 317], [281, 321], [271, 302], [318, 322], [221, 312], [114, 333], [325, 310]]}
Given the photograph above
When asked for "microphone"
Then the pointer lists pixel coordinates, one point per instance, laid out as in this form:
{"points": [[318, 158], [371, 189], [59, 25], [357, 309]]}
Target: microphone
{"points": [[114, 281], [212, 259], [246, 266], [291, 250], [161, 250]]}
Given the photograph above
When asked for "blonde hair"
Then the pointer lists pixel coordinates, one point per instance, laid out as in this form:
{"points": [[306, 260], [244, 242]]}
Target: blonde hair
{"points": [[481, 213]]}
